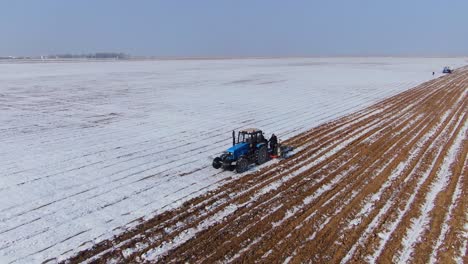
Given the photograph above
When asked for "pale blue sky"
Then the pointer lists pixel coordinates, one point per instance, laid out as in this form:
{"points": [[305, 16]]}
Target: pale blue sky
{"points": [[235, 28]]}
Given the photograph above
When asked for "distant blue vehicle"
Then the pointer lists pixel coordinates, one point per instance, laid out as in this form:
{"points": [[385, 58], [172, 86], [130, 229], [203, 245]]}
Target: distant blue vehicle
{"points": [[249, 147], [447, 70]]}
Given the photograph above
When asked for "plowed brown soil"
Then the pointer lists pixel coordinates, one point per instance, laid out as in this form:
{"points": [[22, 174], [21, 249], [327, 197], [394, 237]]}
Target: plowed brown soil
{"points": [[386, 184]]}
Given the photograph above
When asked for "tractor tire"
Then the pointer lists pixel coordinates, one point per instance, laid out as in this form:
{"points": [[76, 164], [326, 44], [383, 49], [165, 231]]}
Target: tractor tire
{"points": [[242, 165], [217, 163], [262, 155]]}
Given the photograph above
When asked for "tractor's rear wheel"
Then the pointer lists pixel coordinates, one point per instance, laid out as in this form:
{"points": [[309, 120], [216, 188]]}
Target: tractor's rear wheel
{"points": [[262, 155], [242, 165], [217, 163]]}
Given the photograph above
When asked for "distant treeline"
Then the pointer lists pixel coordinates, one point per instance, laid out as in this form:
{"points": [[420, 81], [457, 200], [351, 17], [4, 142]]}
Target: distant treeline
{"points": [[98, 55]]}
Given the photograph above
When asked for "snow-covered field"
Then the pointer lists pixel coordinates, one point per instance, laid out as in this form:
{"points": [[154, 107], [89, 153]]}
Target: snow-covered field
{"points": [[88, 148]]}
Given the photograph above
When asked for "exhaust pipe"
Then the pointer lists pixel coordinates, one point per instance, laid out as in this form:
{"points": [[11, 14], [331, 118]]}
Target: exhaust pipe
{"points": [[233, 138]]}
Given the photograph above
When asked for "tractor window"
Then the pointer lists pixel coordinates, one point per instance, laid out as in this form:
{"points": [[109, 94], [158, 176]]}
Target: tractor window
{"points": [[244, 137], [240, 138]]}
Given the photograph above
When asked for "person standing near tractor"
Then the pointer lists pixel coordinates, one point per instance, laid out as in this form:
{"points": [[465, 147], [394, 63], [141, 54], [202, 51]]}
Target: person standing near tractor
{"points": [[273, 144]]}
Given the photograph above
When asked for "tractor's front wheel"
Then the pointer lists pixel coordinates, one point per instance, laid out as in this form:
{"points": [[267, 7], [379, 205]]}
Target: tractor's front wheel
{"points": [[242, 165], [262, 155], [217, 163]]}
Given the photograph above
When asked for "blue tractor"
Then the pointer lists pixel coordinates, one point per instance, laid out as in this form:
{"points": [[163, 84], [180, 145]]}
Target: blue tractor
{"points": [[249, 147], [447, 69]]}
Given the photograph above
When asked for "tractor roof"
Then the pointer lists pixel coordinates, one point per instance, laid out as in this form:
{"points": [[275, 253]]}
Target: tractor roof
{"points": [[250, 130]]}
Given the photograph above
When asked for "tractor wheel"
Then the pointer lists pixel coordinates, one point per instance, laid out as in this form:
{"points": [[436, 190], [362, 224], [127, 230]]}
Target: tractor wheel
{"points": [[262, 155], [242, 165], [217, 163]]}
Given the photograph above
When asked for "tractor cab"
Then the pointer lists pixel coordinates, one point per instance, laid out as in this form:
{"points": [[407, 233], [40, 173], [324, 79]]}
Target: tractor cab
{"points": [[251, 135]]}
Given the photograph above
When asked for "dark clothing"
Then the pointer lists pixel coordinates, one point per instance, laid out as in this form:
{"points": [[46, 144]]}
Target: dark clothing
{"points": [[273, 143]]}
